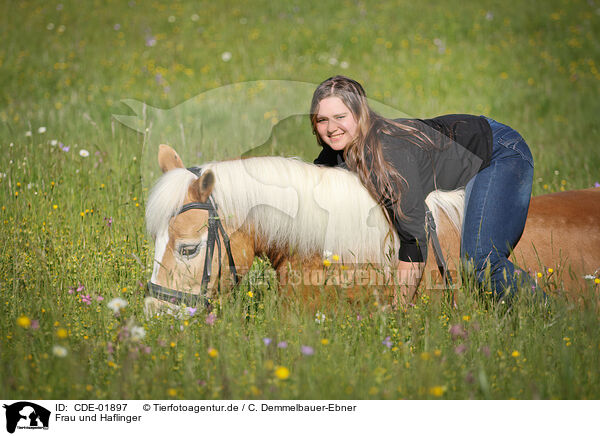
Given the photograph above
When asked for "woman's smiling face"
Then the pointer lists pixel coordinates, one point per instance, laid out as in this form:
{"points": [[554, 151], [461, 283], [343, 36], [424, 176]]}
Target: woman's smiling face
{"points": [[335, 123]]}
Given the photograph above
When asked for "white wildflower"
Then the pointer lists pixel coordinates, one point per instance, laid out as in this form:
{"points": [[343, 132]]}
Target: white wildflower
{"points": [[327, 253], [116, 304], [319, 317], [42, 130], [226, 56], [54, 142], [344, 65], [137, 333], [28, 133], [84, 153], [59, 351]]}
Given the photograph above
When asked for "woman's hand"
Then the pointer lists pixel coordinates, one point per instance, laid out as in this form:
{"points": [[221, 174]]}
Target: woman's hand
{"points": [[408, 279]]}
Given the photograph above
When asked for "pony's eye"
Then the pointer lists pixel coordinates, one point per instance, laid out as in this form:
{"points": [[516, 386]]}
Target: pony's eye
{"points": [[189, 251]]}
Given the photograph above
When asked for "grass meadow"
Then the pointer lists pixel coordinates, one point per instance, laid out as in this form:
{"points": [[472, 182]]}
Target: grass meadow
{"points": [[73, 186]]}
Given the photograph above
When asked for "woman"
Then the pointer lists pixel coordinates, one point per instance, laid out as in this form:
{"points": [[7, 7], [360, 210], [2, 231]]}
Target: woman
{"points": [[401, 161]]}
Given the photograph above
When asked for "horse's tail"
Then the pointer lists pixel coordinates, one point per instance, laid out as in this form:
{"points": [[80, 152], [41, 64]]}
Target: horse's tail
{"points": [[450, 203]]}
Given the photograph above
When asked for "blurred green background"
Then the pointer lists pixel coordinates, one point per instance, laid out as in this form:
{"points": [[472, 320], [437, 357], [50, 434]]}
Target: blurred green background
{"points": [[81, 81]]}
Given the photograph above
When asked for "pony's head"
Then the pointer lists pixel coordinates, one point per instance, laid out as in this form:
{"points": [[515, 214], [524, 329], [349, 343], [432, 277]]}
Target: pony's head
{"points": [[180, 235]]}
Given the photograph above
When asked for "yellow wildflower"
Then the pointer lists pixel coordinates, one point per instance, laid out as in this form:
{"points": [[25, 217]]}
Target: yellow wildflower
{"points": [[212, 352], [324, 341], [436, 391], [335, 257], [62, 333], [326, 262], [282, 373], [23, 321], [515, 354]]}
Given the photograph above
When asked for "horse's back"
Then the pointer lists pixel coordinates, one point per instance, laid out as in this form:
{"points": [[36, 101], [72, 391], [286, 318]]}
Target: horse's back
{"points": [[562, 233]]}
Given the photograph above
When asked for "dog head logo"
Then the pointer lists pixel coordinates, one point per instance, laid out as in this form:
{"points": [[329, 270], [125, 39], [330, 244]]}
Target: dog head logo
{"points": [[26, 415]]}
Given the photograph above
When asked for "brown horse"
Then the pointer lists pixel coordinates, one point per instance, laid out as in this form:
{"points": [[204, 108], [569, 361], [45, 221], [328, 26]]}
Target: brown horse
{"points": [[319, 228]]}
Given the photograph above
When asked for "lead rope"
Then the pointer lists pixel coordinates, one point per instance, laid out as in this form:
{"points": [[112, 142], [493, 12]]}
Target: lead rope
{"points": [[439, 255]]}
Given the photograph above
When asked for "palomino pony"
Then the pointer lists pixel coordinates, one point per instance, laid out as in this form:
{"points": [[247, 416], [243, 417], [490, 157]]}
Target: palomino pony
{"points": [[319, 226]]}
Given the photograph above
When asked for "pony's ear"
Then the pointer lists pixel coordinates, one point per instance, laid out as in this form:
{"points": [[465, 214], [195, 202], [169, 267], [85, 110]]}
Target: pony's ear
{"points": [[168, 159], [202, 187]]}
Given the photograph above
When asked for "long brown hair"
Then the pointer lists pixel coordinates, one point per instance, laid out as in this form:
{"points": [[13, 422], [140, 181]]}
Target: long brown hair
{"points": [[364, 154]]}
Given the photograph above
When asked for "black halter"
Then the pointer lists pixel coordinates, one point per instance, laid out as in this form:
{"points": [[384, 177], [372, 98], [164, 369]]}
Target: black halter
{"points": [[214, 228]]}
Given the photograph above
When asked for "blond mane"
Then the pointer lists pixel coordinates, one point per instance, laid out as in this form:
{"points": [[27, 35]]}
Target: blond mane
{"points": [[293, 205]]}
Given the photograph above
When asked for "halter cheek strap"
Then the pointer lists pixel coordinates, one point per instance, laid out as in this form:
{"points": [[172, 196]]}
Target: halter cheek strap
{"points": [[215, 226]]}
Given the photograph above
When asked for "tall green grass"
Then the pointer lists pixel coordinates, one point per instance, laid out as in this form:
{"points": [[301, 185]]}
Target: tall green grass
{"points": [[69, 220]]}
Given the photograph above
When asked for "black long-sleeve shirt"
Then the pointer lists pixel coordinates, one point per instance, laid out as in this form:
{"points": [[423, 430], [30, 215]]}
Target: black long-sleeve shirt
{"points": [[462, 148]]}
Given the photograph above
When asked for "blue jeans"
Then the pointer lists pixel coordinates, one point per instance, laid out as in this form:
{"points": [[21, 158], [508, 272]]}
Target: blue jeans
{"points": [[496, 205]]}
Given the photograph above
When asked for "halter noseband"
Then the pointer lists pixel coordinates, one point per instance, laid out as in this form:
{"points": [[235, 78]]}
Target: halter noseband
{"points": [[214, 228]]}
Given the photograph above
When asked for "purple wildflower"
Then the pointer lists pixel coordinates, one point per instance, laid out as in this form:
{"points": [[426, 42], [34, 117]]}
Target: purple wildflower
{"points": [[117, 26], [485, 350], [35, 324], [596, 185], [267, 341], [108, 221], [99, 298], [457, 331], [469, 377], [150, 41], [282, 344], [109, 348], [460, 349], [211, 318], [192, 311], [63, 147], [387, 342], [307, 350], [86, 299]]}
